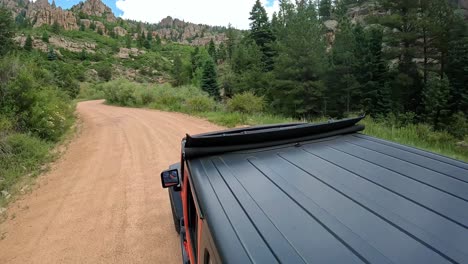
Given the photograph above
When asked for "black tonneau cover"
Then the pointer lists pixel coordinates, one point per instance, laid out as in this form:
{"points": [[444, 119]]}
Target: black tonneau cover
{"points": [[342, 199], [265, 136]]}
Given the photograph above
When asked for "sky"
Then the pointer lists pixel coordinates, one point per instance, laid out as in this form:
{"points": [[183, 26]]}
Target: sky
{"points": [[210, 12]]}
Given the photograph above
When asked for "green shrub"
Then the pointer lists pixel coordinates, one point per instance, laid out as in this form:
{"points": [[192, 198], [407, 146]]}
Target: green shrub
{"points": [[104, 71], [168, 100], [459, 125], [50, 116], [145, 96], [25, 153], [246, 103], [120, 92], [200, 103], [90, 91]]}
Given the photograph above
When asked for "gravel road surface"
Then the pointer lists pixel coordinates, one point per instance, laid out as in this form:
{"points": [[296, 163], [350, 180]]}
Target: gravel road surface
{"points": [[102, 202]]}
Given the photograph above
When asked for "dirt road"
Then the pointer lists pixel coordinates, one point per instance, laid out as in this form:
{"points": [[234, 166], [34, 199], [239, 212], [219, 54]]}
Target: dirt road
{"points": [[102, 202]]}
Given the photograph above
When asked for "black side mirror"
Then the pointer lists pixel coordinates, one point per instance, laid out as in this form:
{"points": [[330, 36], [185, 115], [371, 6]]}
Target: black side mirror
{"points": [[169, 178]]}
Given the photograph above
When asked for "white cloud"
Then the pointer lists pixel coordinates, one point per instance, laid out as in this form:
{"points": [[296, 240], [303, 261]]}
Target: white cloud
{"points": [[211, 12]]}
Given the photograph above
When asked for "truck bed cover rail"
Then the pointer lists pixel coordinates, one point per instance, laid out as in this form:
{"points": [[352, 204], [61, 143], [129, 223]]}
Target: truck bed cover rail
{"points": [[265, 136]]}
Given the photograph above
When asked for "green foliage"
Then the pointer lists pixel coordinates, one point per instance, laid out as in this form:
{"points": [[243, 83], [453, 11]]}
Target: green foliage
{"points": [[325, 8], [261, 33], [104, 71], [28, 44], [120, 92], [209, 81], [416, 135], [298, 89], [459, 125], [90, 91], [22, 153], [212, 50], [199, 104], [56, 27], [435, 100], [45, 37], [50, 115], [6, 31], [51, 55], [246, 103], [180, 72]]}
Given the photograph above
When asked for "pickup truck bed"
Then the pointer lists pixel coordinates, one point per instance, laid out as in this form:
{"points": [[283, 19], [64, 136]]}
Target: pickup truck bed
{"points": [[342, 199]]}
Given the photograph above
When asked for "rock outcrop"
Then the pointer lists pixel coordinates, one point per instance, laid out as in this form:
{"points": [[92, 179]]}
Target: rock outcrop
{"points": [[188, 33], [94, 8], [120, 31], [45, 14], [57, 43], [41, 12]]}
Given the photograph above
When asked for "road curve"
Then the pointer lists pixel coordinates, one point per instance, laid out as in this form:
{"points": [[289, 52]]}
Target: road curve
{"points": [[102, 202]]}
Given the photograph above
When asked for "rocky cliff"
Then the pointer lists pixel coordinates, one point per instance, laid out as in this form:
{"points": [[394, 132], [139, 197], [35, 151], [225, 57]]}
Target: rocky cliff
{"points": [[188, 33], [94, 8], [96, 13]]}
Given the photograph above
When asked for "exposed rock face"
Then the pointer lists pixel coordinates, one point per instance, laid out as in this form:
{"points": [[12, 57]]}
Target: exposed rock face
{"points": [[45, 14], [57, 43], [120, 31], [125, 53], [188, 33], [41, 13], [95, 8]]}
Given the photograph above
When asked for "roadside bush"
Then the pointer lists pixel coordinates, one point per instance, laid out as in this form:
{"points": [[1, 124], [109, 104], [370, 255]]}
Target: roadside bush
{"points": [[168, 100], [104, 71], [200, 103], [246, 103], [91, 91], [145, 96], [459, 125], [120, 92], [50, 115], [25, 153]]}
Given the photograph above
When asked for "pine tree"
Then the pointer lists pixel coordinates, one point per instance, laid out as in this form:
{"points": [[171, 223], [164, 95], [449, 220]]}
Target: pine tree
{"points": [[100, 32], [262, 34], [158, 40], [435, 100], [343, 92], [45, 37], [373, 74], [7, 33], [301, 62], [402, 37], [28, 44], [82, 27], [325, 8], [212, 50], [128, 41], [83, 55], [149, 36], [209, 81], [231, 41], [221, 52], [179, 73], [141, 40], [92, 26], [56, 27], [457, 66], [146, 44]]}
